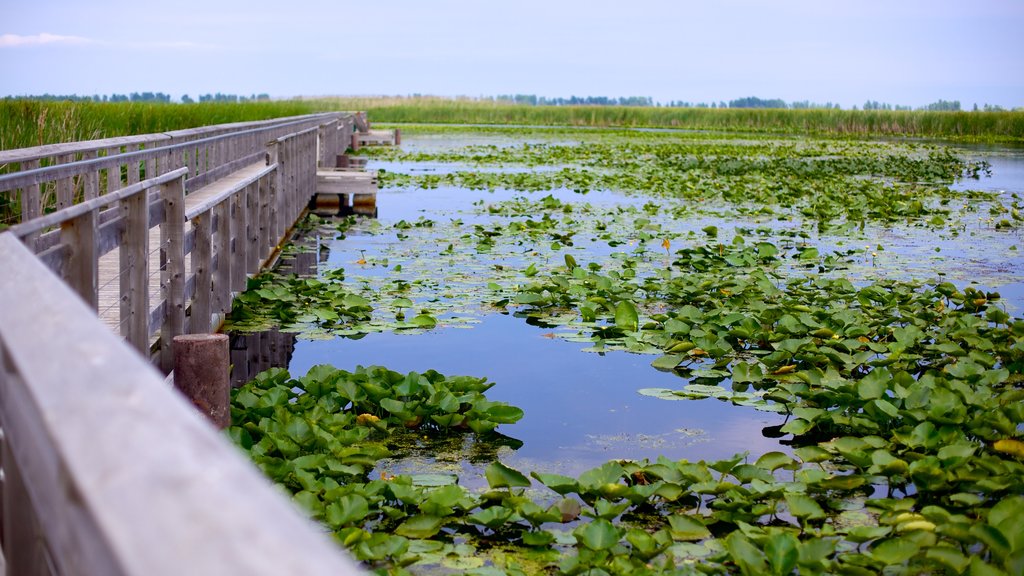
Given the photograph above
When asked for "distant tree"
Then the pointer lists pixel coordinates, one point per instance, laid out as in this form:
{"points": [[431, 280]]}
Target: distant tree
{"points": [[186, 99], [943, 106], [755, 102]]}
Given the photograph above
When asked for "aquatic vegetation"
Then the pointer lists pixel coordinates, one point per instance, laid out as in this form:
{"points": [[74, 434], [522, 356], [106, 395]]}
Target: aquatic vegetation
{"points": [[823, 182], [815, 511], [760, 272]]}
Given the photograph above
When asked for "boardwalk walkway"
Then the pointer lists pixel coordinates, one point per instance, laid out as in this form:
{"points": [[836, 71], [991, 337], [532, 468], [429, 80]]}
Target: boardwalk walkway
{"points": [[123, 244], [110, 300]]}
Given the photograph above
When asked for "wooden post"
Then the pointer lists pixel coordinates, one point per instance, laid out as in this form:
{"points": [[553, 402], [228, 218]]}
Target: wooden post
{"points": [[92, 178], [65, 186], [134, 276], [201, 373], [222, 250], [113, 173], [398, 136], [253, 250], [238, 242], [132, 165], [266, 241], [202, 260], [273, 151], [172, 277], [82, 272]]}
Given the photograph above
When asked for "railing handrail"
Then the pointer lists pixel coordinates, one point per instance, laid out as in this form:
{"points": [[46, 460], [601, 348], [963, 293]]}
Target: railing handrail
{"points": [[122, 475], [71, 212], [49, 150], [47, 173]]}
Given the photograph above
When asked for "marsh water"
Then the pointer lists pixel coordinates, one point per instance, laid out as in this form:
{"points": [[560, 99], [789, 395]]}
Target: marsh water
{"points": [[582, 408]]}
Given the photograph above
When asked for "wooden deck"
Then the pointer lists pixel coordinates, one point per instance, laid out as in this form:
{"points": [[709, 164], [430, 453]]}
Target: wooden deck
{"points": [[378, 138], [349, 190]]}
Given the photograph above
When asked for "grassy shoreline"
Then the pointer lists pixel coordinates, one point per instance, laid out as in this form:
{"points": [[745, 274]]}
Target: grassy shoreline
{"points": [[25, 123], [983, 126]]}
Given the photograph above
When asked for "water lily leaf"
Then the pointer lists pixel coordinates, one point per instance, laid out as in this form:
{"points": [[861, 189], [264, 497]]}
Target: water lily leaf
{"points": [[492, 517], [683, 527], [668, 361], [981, 568], [420, 526], [861, 534], [797, 427], [781, 550], [538, 538], [504, 414], [662, 393], [627, 317], [433, 480], [598, 535], [346, 510], [425, 321], [804, 507], [560, 484], [774, 460], [949, 557], [1010, 446], [746, 555], [895, 550], [874, 384], [501, 476]]}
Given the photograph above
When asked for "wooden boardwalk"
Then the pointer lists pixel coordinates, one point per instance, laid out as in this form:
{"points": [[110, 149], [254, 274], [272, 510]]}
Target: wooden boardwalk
{"points": [[110, 300], [122, 245]]}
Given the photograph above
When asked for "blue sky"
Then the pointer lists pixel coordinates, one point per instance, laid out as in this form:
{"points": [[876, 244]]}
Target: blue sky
{"points": [[903, 52]]}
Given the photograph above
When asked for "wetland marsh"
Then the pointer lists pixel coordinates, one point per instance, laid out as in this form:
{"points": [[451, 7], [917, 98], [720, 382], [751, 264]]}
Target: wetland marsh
{"points": [[656, 352]]}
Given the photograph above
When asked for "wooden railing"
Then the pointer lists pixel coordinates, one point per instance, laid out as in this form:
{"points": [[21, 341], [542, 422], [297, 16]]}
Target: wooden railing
{"points": [[129, 253], [77, 172], [107, 471]]}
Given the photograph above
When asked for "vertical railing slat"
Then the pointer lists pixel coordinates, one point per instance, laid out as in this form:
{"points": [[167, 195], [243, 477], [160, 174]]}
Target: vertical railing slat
{"points": [[172, 276], [202, 256], [134, 272], [82, 272], [222, 252]]}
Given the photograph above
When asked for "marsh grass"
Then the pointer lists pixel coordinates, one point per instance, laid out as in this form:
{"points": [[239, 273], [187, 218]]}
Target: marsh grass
{"points": [[1003, 126], [25, 123]]}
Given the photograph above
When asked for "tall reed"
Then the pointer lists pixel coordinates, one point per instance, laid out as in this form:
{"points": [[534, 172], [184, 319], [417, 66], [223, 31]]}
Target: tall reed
{"points": [[965, 125]]}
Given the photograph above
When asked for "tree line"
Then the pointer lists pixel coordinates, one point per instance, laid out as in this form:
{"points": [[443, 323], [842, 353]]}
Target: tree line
{"points": [[158, 97], [534, 100]]}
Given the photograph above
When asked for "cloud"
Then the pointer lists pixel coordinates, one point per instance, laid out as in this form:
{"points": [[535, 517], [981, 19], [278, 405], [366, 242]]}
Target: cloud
{"points": [[45, 38], [11, 40]]}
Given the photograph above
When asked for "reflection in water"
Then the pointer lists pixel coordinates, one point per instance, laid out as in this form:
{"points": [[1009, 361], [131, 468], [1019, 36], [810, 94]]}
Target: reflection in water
{"points": [[254, 353], [580, 409]]}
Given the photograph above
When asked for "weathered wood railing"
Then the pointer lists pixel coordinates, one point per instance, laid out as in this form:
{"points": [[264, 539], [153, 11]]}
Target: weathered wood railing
{"points": [[81, 171], [239, 192], [108, 471], [157, 241]]}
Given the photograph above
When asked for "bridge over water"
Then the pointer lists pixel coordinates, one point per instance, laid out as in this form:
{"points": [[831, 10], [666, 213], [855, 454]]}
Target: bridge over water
{"points": [[121, 245]]}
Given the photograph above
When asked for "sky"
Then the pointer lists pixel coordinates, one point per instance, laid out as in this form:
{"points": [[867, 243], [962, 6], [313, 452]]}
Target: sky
{"points": [[906, 52]]}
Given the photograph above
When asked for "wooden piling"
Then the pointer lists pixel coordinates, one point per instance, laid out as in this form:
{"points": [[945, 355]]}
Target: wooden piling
{"points": [[201, 373]]}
